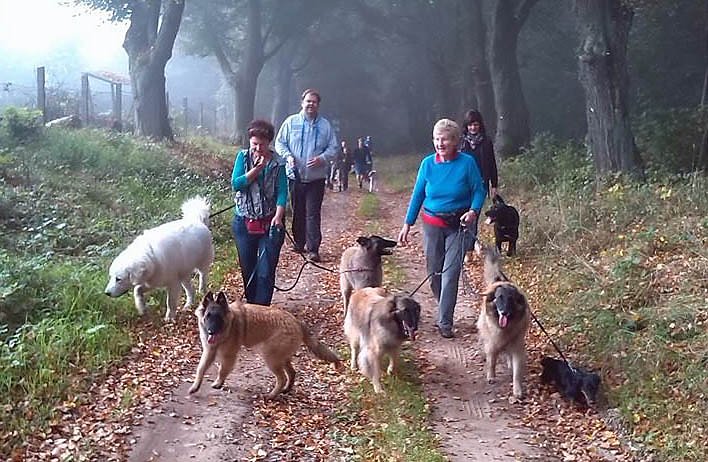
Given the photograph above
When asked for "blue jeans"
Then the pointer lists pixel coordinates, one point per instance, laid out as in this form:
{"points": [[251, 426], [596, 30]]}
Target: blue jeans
{"points": [[258, 256], [444, 252]]}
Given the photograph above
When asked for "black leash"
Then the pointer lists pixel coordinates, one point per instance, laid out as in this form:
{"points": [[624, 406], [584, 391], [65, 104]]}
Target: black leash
{"points": [[222, 211]]}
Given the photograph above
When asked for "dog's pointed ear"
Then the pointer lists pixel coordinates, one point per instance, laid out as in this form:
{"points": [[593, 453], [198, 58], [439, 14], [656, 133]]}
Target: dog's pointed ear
{"points": [[208, 298], [363, 241], [221, 299]]}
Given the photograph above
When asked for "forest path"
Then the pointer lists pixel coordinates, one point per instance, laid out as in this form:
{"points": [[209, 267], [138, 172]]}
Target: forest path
{"points": [[473, 419]]}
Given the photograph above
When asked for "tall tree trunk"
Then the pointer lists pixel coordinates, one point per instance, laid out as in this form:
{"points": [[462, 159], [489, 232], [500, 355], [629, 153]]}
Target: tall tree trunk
{"points": [[513, 130], [479, 67], [283, 85], [702, 162], [148, 51], [604, 31], [249, 70]]}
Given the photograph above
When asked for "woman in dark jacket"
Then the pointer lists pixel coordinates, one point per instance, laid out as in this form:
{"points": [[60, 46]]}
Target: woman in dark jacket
{"points": [[475, 141]]}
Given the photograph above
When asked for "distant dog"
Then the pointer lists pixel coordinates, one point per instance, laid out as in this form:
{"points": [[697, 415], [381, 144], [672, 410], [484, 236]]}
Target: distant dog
{"points": [[574, 383], [372, 181], [503, 322], [361, 265], [276, 334], [166, 256], [376, 325], [505, 219]]}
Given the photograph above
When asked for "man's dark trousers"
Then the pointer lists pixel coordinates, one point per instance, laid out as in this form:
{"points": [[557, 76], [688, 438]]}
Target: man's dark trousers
{"points": [[306, 202]]}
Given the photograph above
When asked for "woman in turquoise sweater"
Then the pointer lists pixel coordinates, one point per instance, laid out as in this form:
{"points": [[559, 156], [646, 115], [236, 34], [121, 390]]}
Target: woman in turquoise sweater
{"points": [[261, 188], [449, 189]]}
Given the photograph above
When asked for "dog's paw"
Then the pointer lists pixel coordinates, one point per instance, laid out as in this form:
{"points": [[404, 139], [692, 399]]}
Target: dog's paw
{"points": [[217, 384], [194, 388]]}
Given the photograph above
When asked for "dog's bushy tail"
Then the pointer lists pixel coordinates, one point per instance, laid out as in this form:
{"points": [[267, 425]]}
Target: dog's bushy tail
{"points": [[318, 348], [492, 266], [196, 209]]}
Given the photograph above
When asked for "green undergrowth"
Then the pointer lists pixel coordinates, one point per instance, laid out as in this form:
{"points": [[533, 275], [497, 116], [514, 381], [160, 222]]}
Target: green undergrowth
{"points": [[618, 268], [71, 200]]}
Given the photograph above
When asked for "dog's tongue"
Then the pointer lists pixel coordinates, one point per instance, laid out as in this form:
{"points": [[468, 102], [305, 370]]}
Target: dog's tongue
{"points": [[211, 338], [503, 320]]}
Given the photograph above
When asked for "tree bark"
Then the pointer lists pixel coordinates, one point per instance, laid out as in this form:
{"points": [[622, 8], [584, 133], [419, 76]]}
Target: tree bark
{"points": [[479, 67], [604, 31], [149, 49], [702, 162], [513, 130]]}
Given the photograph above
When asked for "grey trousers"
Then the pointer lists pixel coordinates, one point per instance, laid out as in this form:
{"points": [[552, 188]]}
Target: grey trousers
{"points": [[445, 252]]}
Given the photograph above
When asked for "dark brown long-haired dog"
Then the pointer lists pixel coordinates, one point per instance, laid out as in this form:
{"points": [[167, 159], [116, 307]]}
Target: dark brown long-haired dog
{"points": [[503, 322], [276, 334]]}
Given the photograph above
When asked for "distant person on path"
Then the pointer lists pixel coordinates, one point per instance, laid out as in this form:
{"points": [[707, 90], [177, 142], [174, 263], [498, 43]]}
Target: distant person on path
{"points": [[369, 143], [476, 142], [362, 161], [308, 143], [342, 166], [261, 187], [449, 189]]}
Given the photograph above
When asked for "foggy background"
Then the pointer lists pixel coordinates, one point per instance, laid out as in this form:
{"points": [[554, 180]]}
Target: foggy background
{"points": [[389, 69]]}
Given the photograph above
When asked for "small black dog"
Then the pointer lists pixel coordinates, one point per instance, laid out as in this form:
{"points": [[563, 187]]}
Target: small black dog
{"points": [[574, 383], [506, 224]]}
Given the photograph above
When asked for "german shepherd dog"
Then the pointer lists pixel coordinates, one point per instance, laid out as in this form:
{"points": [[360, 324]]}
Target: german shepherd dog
{"points": [[376, 326], [574, 383], [361, 265], [503, 322], [224, 328], [505, 219]]}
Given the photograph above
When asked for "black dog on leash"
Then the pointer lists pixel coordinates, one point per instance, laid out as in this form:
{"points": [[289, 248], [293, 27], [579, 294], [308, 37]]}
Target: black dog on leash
{"points": [[574, 383], [506, 224]]}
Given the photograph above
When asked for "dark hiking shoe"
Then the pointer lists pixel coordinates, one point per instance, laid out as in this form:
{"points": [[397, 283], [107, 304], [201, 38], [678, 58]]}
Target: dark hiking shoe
{"points": [[314, 256], [446, 332]]}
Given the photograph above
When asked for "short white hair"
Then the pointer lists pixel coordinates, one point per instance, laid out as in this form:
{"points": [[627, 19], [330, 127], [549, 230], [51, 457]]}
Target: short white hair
{"points": [[448, 127]]}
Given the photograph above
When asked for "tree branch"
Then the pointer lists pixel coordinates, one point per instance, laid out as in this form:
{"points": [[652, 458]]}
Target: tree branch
{"points": [[171, 19]]}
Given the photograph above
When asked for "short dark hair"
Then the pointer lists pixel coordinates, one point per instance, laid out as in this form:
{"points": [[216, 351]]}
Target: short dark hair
{"points": [[473, 116], [261, 129], [312, 91]]}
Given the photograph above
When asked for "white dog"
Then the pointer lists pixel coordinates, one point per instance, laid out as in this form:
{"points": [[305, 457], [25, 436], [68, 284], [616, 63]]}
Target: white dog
{"points": [[166, 256]]}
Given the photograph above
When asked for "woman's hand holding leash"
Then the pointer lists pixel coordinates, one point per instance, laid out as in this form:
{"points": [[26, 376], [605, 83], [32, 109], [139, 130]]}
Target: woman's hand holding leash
{"points": [[467, 218], [403, 234]]}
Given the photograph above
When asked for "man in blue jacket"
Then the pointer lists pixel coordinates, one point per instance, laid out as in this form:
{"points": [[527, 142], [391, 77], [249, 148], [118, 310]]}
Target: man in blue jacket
{"points": [[308, 143]]}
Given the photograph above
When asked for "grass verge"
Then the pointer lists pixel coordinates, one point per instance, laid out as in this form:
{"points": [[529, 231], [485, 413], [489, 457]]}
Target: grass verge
{"points": [[618, 268], [71, 200]]}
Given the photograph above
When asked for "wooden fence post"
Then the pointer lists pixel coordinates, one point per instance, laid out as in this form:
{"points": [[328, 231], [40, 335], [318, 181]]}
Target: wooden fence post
{"points": [[84, 110], [41, 94], [117, 90], [185, 109]]}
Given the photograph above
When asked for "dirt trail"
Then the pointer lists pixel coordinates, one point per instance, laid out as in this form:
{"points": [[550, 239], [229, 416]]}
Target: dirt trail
{"points": [[475, 420]]}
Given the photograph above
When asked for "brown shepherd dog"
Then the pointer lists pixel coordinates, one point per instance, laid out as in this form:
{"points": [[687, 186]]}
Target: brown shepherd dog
{"points": [[503, 322], [376, 325], [276, 334]]}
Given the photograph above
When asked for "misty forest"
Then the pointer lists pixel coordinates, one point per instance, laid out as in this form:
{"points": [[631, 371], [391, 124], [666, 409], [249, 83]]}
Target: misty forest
{"points": [[596, 113]]}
